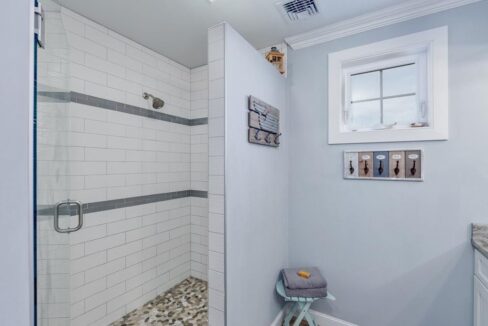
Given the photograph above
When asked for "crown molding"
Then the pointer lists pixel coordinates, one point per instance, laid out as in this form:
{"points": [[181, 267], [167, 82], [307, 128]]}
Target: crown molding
{"points": [[388, 16]]}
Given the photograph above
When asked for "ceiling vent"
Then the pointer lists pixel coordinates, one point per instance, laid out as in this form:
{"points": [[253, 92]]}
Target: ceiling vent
{"points": [[296, 10]]}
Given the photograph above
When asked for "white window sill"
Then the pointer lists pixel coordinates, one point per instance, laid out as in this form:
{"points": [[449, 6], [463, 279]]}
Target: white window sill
{"points": [[387, 135]]}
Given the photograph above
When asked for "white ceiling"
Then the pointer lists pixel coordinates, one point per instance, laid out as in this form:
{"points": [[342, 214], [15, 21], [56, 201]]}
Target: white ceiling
{"points": [[178, 28]]}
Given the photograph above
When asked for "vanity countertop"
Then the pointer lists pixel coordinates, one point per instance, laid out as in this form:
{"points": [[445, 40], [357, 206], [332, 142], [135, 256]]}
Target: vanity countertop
{"points": [[479, 238]]}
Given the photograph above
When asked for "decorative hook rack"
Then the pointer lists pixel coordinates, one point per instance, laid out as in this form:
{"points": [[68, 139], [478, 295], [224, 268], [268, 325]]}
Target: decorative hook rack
{"points": [[400, 165], [264, 123]]}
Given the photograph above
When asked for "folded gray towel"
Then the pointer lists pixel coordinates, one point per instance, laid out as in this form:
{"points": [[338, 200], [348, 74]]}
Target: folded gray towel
{"points": [[292, 281], [307, 293]]}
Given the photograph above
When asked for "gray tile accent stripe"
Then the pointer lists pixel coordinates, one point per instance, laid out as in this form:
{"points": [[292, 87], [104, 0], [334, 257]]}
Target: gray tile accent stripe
{"points": [[199, 193], [121, 107], [54, 96], [198, 122], [124, 202]]}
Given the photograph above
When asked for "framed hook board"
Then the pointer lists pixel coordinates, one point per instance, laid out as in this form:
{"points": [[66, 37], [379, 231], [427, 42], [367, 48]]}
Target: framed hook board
{"points": [[264, 123], [392, 165]]}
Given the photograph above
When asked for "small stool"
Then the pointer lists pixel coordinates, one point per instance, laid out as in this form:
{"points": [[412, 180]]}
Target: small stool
{"points": [[298, 304]]}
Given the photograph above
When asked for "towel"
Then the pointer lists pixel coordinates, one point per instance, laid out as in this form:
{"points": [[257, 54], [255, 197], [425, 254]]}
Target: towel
{"points": [[294, 282], [307, 293]]}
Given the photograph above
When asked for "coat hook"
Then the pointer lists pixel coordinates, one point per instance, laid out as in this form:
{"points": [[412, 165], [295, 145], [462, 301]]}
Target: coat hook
{"points": [[366, 168], [351, 169], [413, 170], [277, 139], [256, 135], [397, 168], [268, 138]]}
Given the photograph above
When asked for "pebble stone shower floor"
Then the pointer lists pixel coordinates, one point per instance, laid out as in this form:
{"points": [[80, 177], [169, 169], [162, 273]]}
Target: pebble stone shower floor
{"points": [[186, 304]]}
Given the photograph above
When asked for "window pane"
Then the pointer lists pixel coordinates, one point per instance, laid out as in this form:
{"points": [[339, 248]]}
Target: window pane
{"points": [[364, 115], [402, 110], [401, 80], [365, 86]]}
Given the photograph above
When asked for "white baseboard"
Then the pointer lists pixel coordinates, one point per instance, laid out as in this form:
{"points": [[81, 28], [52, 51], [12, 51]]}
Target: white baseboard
{"points": [[321, 319], [279, 319]]}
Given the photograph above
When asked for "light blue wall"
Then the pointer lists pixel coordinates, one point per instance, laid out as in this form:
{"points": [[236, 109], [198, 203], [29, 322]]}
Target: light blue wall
{"points": [[256, 188], [394, 253], [16, 277]]}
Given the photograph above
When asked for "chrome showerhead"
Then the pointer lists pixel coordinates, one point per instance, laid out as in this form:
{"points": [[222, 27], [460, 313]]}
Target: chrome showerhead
{"points": [[157, 103]]}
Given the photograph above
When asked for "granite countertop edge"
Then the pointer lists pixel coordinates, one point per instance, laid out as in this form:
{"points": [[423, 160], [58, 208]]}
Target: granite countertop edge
{"points": [[479, 238]]}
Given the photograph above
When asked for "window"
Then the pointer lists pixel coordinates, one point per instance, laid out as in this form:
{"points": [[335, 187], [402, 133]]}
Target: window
{"points": [[395, 90]]}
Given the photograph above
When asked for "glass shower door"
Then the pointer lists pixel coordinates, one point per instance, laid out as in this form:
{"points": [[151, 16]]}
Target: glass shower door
{"points": [[57, 215]]}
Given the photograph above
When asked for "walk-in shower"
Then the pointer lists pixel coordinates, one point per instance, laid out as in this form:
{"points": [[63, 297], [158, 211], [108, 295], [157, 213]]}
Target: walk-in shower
{"points": [[122, 212]]}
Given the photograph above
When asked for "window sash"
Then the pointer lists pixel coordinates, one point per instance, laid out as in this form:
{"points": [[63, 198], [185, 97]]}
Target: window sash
{"points": [[433, 46], [381, 66]]}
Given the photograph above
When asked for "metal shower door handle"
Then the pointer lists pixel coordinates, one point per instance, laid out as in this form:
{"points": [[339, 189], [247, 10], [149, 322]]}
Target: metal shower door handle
{"points": [[68, 203]]}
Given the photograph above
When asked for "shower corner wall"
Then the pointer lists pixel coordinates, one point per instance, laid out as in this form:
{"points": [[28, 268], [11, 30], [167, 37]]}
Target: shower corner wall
{"points": [[216, 182], [143, 181], [199, 173]]}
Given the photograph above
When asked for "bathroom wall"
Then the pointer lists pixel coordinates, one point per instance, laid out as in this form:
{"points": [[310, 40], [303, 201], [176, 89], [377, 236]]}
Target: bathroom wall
{"points": [[199, 173], [130, 166], [16, 101], [256, 188], [216, 171], [394, 253]]}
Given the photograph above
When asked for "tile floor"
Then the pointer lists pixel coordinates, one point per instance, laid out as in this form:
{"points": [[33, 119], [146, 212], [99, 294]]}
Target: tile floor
{"points": [[183, 305]]}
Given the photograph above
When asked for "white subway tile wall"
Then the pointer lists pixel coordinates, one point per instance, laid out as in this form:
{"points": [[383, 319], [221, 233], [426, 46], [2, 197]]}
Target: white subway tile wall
{"points": [[121, 258], [199, 173], [110, 66], [127, 257], [216, 209]]}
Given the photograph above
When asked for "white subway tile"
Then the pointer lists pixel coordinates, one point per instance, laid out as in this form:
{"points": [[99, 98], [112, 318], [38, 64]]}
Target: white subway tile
{"points": [[216, 88], [216, 242], [216, 317], [216, 69], [89, 317], [216, 33], [217, 280], [88, 290], [104, 296], [140, 256], [124, 274], [103, 65], [155, 239], [216, 223], [216, 299], [215, 50], [124, 250], [216, 261], [105, 269], [85, 45], [104, 39], [87, 262], [124, 61], [123, 299], [124, 225], [88, 74], [104, 243], [104, 154]]}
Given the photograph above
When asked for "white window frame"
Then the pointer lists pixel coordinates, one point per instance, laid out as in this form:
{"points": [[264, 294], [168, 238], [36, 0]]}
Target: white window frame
{"points": [[434, 43]]}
